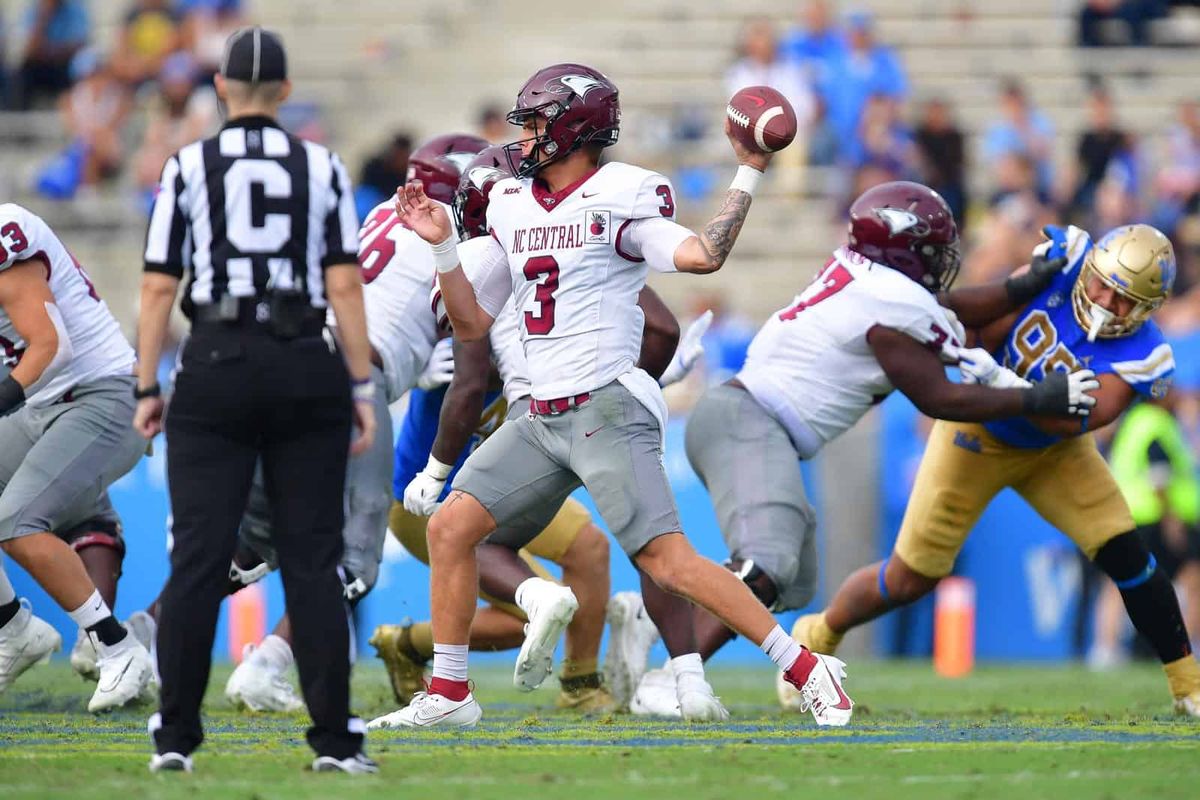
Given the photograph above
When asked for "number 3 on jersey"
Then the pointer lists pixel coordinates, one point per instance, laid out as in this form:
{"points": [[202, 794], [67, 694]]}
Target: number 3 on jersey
{"points": [[543, 269]]}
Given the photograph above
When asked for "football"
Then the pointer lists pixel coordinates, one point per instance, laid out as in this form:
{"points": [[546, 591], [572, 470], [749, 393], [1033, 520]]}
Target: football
{"points": [[762, 118]]}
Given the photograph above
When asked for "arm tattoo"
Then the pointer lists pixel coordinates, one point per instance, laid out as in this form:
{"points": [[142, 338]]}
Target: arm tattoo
{"points": [[722, 231]]}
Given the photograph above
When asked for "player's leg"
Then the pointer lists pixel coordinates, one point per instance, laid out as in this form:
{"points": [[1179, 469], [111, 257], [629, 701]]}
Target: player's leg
{"points": [[25, 639], [508, 474], [751, 470], [82, 446], [571, 540], [621, 464], [1073, 489], [962, 470]]}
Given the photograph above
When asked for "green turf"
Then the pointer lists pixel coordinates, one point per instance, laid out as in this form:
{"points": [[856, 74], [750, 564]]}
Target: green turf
{"points": [[1005, 731]]}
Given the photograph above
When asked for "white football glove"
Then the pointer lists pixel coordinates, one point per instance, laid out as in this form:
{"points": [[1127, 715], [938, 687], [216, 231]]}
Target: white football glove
{"points": [[422, 493], [690, 348], [440, 369], [1080, 383], [978, 366]]}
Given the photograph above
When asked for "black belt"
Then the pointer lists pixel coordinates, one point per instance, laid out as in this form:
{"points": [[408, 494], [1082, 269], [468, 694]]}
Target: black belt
{"points": [[253, 313]]}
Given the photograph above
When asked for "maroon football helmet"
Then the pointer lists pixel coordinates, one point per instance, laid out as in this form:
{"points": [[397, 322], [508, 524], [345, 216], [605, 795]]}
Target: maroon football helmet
{"points": [[572, 105], [471, 199], [908, 227], [439, 162]]}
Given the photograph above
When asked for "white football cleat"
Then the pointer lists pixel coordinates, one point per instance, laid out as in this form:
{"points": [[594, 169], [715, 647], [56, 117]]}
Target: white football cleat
{"points": [[697, 703], [432, 710], [789, 696], [125, 674], [631, 635], [1188, 704], [550, 609], [170, 762], [83, 657], [357, 764], [822, 694], [24, 641], [258, 685], [656, 696]]}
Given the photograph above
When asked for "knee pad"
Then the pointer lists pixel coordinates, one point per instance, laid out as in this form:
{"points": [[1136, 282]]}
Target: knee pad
{"points": [[759, 582], [1125, 559], [96, 533]]}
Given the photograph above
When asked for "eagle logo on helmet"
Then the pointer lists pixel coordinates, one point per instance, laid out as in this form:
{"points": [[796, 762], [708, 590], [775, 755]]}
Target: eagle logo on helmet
{"points": [[899, 220], [579, 84], [478, 176]]}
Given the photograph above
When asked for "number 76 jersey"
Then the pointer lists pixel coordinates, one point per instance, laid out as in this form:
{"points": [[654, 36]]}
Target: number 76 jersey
{"points": [[810, 365], [573, 263]]}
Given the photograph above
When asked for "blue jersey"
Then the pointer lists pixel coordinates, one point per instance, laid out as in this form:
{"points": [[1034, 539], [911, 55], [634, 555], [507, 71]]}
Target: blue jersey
{"points": [[1046, 336], [419, 429]]}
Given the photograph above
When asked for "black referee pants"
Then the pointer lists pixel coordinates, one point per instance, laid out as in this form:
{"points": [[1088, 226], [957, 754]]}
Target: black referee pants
{"points": [[242, 393]]}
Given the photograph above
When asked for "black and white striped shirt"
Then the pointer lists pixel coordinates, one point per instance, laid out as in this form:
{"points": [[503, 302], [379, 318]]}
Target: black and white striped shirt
{"points": [[249, 209]]}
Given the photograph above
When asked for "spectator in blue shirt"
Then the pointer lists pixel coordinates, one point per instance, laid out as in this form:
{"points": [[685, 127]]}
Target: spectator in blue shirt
{"points": [[57, 30], [1021, 130], [817, 46], [865, 68]]}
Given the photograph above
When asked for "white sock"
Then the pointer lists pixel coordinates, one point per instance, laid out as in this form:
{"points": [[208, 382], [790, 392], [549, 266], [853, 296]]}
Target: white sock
{"points": [[93, 610], [7, 593], [688, 670], [781, 648], [450, 661], [275, 652]]}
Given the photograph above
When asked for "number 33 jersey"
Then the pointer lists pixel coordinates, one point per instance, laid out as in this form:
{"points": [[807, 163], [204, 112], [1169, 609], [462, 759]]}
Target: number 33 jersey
{"points": [[94, 339], [1046, 336], [573, 262], [810, 365]]}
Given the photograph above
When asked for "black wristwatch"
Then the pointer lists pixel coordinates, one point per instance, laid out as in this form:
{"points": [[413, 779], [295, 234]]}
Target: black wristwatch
{"points": [[153, 390]]}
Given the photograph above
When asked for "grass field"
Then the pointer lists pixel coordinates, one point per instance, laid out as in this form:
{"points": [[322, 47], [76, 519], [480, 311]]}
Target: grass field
{"points": [[1005, 731]]}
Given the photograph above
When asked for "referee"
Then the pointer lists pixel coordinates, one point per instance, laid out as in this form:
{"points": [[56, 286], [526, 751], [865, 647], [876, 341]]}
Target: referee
{"points": [[265, 223]]}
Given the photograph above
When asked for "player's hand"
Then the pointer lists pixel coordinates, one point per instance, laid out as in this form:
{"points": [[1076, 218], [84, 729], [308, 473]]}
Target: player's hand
{"points": [[423, 216], [744, 154], [422, 493], [690, 348], [1061, 395], [440, 369], [978, 366], [364, 421], [148, 418]]}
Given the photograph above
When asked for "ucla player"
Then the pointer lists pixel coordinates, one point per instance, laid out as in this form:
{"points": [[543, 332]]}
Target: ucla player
{"points": [[1095, 313]]}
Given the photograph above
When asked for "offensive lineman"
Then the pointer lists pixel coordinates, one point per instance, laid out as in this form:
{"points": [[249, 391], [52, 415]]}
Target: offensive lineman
{"points": [[1096, 312], [571, 243], [66, 433], [870, 322]]}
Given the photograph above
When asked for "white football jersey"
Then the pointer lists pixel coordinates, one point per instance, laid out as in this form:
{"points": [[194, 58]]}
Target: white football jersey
{"points": [[99, 349], [810, 364], [398, 273], [574, 263], [508, 353]]}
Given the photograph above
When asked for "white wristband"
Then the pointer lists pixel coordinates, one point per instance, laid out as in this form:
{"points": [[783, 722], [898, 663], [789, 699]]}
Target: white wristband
{"points": [[363, 391], [437, 469], [746, 180], [445, 255]]}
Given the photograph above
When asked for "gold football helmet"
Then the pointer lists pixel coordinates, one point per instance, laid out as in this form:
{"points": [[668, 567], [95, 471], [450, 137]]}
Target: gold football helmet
{"points": [[1135, 261]]}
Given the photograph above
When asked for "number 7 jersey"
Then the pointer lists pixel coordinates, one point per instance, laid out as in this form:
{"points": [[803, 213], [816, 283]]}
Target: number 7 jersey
{"points": [[573, 263], [810, 365], [98, 347]]}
